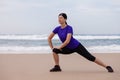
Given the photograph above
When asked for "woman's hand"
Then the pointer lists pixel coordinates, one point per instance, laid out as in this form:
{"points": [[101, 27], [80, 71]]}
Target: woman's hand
{"points": [[50, 40], [66, 42], [58, 47]]}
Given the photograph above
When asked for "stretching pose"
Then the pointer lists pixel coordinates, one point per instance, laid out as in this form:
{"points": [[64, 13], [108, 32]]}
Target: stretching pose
{"points": [[69, 45]]}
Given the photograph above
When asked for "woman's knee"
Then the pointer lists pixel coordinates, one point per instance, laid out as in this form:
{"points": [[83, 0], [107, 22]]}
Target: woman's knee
{"points": [[88, 56], [55, 50], [91, 58]]}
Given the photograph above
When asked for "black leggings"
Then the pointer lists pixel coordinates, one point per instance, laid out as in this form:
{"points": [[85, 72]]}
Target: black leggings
{"points": [[80, 50]]}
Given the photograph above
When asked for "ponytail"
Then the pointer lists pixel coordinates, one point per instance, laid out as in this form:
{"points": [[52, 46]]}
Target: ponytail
{"points": [[65, 22]]}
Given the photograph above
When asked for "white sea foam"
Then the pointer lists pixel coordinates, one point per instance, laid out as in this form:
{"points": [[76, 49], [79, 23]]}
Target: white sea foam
{"points": [[96, 37], [105, 49], [46, 49], [21, 49], [24, 37], [44, 37]]}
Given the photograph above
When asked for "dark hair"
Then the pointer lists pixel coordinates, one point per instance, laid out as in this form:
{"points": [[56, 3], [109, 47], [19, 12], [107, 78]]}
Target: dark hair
{"points": [[64, 15]]}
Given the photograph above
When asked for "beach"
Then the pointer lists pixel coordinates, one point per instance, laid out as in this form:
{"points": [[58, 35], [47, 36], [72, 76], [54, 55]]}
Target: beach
{"points": [[74, 67]]}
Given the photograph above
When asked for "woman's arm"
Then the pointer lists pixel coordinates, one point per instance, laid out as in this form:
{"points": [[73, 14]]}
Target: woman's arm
{"points": [[69, 35], [50, 40]]}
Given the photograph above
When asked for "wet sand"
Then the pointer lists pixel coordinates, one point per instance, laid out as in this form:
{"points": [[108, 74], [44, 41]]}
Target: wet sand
{"points": [[36, 67]]}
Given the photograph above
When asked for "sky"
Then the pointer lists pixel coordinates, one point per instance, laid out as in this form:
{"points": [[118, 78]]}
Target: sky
{"points": [[41, 16]]}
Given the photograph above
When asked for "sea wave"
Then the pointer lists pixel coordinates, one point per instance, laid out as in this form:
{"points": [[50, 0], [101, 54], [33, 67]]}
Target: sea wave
{"points": [[89, 37], [45, 36], [46, 49], [23, 49], [105, 49], [24, 37]]}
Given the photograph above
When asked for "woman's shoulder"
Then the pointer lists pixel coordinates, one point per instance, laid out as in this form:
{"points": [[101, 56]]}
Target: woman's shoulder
{"points": [[57, 27], [69, 26]]}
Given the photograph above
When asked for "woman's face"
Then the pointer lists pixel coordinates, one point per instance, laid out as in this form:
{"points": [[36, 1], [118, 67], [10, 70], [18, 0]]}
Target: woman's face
{"points": [[61, 20]]}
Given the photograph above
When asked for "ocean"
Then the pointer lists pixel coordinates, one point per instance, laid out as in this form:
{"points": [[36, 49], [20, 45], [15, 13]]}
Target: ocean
{"points": [[27, 44]]}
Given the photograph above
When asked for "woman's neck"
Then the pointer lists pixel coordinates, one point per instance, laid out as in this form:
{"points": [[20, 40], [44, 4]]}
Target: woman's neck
{"points": [[63, 25]]}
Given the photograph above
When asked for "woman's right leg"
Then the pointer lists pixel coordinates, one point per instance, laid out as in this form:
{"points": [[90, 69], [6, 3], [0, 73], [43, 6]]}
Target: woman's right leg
{"points": [[56, 51], [56, 58], [56, 68]]}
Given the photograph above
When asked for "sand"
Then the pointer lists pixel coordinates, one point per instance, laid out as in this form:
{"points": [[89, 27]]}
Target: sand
{"points": [[75, 67]]}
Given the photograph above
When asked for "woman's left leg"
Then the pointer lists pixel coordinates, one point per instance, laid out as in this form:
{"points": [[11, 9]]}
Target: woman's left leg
{"points": [[99, 62], [82, 51]]}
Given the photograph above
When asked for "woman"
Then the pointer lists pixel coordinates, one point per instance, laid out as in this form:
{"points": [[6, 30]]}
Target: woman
{"points": [[69, 45]]}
